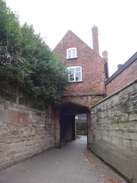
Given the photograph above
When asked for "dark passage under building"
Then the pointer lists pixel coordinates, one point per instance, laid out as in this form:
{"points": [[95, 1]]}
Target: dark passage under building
{"points": [[67, 122]]}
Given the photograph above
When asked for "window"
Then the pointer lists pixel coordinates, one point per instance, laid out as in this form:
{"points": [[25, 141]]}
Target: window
{"points": [[75, 73], [71, 53]]}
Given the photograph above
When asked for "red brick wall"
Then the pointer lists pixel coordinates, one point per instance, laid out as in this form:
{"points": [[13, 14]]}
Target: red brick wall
{"points": [[128, 75], [92, 65]]}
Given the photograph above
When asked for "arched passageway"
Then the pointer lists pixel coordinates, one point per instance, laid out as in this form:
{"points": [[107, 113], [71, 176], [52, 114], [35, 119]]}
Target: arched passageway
{"points": [[66, 128]]}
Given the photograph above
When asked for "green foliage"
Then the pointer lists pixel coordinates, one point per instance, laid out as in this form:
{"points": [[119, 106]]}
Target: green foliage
{"points": [[9, 30], [27, 63]]}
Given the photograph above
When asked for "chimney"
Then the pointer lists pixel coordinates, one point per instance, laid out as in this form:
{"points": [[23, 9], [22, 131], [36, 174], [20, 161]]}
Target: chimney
{"points": [[105, 57], [95, 39], [119, 65]]}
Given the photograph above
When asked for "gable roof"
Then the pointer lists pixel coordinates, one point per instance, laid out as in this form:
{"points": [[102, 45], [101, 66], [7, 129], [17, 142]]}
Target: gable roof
{"points": [[105, 66], [81, 41], [122, 68]]}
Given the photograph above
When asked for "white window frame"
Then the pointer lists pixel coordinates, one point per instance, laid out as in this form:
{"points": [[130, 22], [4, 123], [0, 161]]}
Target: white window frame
{"points": [[74, 67], [71, 53]]}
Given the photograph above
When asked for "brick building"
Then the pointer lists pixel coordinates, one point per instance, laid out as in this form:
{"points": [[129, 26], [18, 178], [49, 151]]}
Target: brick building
{"points": [[87, 67], [125, 74], [87, 82]]}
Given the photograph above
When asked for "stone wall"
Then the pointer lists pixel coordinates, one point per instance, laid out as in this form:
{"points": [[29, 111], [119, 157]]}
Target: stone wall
{"points": [[24, 132], [114, 130]]}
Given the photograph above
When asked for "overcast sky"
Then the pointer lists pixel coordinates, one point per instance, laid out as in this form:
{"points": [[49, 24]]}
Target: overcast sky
{"points": [[116, 21]]}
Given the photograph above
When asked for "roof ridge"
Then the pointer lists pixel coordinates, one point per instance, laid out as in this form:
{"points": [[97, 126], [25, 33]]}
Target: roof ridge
{"points": [[82, 41], [122, 68]]}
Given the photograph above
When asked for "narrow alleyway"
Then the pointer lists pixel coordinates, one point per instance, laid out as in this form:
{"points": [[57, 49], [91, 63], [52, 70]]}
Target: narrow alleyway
{"points": [[74, 163]]}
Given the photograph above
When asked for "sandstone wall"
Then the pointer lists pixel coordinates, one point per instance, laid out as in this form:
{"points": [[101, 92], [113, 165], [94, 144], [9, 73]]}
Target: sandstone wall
{"points": [[114, 130], [24, 132]]}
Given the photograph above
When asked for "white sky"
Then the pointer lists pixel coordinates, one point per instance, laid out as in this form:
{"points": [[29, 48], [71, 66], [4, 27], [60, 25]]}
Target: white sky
{"points": [[116, 21]]}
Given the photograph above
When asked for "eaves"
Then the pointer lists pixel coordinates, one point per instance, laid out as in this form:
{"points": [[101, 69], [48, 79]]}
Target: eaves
{"points": [[122, 68]]}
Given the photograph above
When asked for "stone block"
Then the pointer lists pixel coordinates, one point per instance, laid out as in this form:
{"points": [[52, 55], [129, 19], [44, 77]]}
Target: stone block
{"points": [[135, 143], [4, 159], [108, 113], [126, 135], [12, 108], [118, 113], [132, 116], [123, 118], [115, 100], [124, 126], [133, 136], [3, 147], [102, 106], [130, 89], [123, 99], [23, 107], [128, 143], [103, 114], [103, 121], [3, 154], [3, 115], [133, 95], [112, 134], [131, 107], [108, 104], [122, 93], [30, 116], [121, 142], [115, 126], [1, 107]]}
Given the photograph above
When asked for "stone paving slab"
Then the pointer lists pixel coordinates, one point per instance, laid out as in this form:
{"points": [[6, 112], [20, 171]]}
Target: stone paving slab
{"points": [[74, 163]]}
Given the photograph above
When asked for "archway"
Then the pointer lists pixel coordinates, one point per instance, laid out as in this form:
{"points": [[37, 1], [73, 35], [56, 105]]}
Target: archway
{"points": [[65, 130]]}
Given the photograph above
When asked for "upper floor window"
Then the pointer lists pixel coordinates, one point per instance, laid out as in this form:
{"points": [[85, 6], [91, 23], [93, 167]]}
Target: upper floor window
{"points": [[71, 53], [75, 73]]}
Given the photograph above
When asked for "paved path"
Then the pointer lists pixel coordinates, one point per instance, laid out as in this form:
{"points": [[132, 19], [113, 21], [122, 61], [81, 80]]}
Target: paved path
{"points": [[74, 163]]}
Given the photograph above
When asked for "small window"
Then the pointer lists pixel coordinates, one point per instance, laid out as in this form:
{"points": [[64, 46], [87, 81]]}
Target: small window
{"points": [[71, 53], [75, 73]]}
